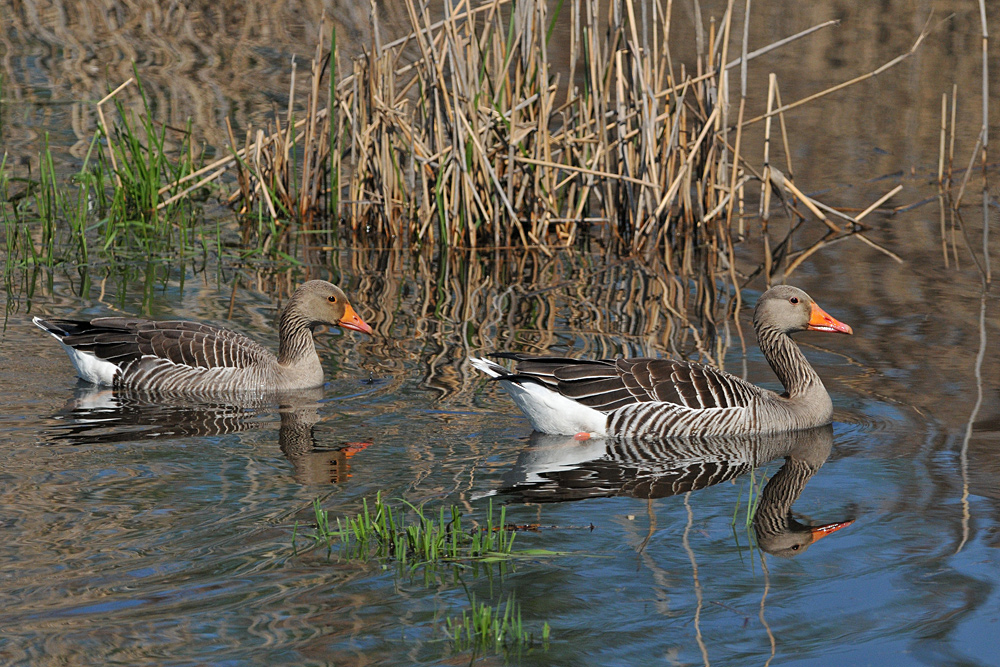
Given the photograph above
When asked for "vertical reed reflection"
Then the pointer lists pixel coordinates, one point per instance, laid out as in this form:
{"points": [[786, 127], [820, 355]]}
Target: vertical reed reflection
{"points": [[964, 453], [433, 310], [763, 620], [694, 577]]}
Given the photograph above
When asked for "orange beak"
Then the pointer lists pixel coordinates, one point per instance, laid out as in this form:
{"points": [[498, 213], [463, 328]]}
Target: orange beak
{"points": [[820, 321], [351, 320], [828, 529]]}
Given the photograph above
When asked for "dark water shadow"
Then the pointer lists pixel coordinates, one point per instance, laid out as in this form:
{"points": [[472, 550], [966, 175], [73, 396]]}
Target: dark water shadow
{"points": [[113, 416], [559, 468]]}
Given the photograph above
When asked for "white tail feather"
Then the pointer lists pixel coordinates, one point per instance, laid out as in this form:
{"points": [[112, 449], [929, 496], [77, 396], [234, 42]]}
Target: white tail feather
{"points": [[548, 411], [88, 366]]}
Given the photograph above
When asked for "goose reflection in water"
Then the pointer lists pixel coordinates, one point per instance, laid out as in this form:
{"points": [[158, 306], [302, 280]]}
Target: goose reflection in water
{"points": [[103, 416], [559, 468]]}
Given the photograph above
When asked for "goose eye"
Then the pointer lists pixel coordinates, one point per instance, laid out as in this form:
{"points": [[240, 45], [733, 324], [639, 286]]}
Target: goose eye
{"points": [[795, 547], [794, 299], [332, 299]]}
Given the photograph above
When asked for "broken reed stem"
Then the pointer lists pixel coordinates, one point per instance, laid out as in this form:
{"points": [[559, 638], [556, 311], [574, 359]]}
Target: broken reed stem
{"points": [[104, 127], [884, 198], [840, 86], [855, 233], [781, 182]]}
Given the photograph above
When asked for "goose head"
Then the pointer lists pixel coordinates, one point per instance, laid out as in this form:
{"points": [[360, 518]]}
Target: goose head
{"points": [[319, 302], [796, 538], [788, 309]]}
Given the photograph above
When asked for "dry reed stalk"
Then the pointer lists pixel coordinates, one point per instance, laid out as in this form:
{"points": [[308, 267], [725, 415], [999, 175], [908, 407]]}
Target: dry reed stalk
{"points": [[985, 92], [602, 308], [941, 147], [858, 79], [951, 163], [104, 126], [765, 199], [951, 143]]}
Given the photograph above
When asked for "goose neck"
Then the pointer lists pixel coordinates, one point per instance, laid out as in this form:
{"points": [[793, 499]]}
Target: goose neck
{"points": [[787, 361], [774, 511], [294, 336]]}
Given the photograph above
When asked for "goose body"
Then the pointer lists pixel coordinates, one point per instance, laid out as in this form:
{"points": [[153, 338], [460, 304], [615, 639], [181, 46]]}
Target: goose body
{"points": [[190, 357], [648, 397]]}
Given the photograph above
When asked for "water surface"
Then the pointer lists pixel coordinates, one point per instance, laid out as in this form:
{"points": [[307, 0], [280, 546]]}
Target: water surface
{"points": [[161, 533]]}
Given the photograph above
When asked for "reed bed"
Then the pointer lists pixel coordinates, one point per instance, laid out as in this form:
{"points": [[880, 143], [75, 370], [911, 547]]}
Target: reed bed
{"points": [[471, 131], [464, 134], [475, 142]]}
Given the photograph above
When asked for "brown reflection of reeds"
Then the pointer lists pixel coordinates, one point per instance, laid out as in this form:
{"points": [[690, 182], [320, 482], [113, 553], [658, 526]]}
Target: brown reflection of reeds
{"points": [[433, 311], [203, 61]]}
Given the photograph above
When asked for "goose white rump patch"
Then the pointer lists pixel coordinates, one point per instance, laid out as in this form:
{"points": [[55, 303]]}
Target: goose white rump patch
{"points": [[88, 366], [548, 411]]}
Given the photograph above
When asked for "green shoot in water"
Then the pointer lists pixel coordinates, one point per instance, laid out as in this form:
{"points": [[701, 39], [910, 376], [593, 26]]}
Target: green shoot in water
{"points": [[380, 532], [486, 628]]}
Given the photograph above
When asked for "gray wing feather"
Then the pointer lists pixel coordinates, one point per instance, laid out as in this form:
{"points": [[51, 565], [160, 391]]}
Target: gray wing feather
{"points": [[607, 385], [122, 341]]}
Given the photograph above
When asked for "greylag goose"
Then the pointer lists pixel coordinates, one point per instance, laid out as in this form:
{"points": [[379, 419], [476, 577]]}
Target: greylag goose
{"points": [[668, 397], [557, 468], [189, 357], [777, 531], [100, 415]]}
